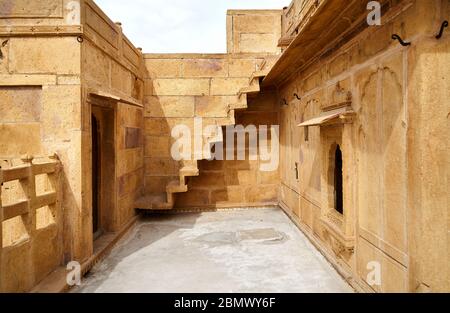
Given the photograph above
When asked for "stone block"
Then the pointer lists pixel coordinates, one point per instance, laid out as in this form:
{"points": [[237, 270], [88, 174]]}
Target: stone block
{"points": [[261, 194], [213, 106], [69, 80], [241, 67], [181, 87], [205, 68], [155, 184], [156, 127], [393, 275], [229, 195], [54, 55], [157, 146], [255, 23], [213, 180], [96, 66], [214, 165], [163, 68], [27, 9], [268, 177], [227, 86], [258, 43], [61, 111], [338, 65], [121, 79], [27, 139], [377, 42], [161, 167], [192, 198], [169, 106], [240, 177], [20, 104]]}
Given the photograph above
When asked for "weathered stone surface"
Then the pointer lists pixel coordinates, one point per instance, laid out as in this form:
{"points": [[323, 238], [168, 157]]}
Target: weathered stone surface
{"points": [[26, 9], [45, 56], [227, 86], [161, 167], [163, 68], [394, 148], [121, 79], [27, 139], [169, 106], [157, 146], [241, 67], [258, 194], [255, 23], [213, 106], [254, 43], [20, 104], [181, 87], [205, 68]]}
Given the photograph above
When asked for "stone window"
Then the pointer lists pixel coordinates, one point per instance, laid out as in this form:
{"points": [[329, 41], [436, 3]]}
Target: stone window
{"points": [[338, 188]]}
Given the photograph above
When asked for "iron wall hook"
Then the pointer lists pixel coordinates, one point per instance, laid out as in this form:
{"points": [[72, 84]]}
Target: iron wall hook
{"points": [[441, 31], [397, 37], [296, 95]]}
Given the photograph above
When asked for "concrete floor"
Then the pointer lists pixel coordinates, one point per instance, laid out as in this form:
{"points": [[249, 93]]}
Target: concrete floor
{"points": [[230, 251]]}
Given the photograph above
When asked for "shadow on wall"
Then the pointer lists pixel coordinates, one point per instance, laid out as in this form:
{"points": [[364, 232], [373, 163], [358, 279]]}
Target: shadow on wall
{"points": [[160, 168]]}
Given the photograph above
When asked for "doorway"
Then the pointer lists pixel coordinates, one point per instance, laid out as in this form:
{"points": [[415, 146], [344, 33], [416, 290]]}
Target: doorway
{"points": [[96, 174], [103, 168]]}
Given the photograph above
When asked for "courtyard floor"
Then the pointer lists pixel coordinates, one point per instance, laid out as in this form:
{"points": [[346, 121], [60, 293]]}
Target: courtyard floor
{"points": [[258, 250]]}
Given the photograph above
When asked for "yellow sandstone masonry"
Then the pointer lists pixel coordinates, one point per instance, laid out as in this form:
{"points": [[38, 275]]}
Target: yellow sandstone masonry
{"points": [[363, 130]]}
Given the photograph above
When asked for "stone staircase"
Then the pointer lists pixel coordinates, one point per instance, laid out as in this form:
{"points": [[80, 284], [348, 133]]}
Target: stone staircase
{"points": [[166, 201]]}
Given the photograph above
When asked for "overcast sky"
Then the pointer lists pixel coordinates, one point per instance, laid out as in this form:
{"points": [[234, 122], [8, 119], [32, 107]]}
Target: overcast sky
{"points": [[173, 26]]}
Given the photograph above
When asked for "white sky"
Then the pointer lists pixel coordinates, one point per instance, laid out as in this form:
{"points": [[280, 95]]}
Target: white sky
{"points": [[179, 26]]}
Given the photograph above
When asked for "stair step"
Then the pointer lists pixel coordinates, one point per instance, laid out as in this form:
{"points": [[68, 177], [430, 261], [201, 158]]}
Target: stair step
{"points": [[153, 202], [257, 76], [217, 138], [242, 104], [189, 171], [189, 163], [175, 187], [250, 90]]}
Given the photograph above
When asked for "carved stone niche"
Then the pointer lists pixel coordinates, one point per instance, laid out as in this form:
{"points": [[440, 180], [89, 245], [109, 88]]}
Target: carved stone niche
{"points": [[337, 205], [339, 96], [336, 124]]}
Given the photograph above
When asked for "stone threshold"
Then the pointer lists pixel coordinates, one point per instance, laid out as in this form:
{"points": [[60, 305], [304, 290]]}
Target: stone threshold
{"points": [[216, 208]]}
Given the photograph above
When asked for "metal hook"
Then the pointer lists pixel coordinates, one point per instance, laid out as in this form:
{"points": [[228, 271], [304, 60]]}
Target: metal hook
{"points": [[296, 95], [397, 37], [441, 31], [80, 39]]}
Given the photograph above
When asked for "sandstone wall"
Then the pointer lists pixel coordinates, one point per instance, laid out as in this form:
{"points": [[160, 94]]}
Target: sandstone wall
{"points": [[58, 59], [393, 189], [112, 79], [251, 31], [40, 94], [238, 183], [180, 88]]}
